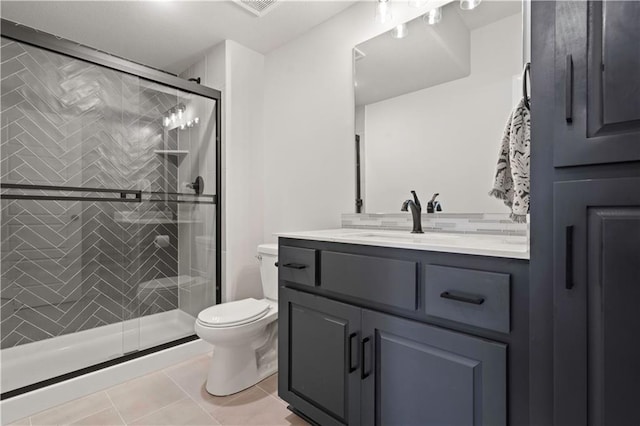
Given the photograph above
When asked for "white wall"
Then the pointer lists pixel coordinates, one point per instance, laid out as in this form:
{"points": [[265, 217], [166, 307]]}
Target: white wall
{"points": [[446, 138], [309, 171], [238, 72]]}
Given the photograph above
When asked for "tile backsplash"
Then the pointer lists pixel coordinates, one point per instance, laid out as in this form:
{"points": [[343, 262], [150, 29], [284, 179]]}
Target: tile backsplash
{"points": [[463, 223]]}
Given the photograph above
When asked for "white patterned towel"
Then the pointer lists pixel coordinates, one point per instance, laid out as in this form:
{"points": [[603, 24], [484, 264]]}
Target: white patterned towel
{"points": [[511, 182]]}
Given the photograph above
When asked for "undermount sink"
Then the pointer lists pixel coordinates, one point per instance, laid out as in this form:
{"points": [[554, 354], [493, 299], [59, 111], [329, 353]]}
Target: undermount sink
{"points": [[429, 238]]}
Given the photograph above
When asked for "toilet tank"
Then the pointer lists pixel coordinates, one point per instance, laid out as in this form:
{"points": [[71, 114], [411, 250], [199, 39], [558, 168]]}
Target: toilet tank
{"points": [[268, 255]]}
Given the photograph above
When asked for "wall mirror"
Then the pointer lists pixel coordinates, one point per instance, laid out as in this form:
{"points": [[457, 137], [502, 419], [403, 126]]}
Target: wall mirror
{"points": [[432, 98]]}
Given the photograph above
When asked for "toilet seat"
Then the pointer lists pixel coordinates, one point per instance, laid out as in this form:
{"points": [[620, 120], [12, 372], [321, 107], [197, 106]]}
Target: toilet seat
{"points": [[232, 314]]}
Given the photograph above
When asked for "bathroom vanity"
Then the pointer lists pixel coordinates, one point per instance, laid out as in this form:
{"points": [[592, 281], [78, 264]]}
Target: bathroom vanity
{"points": [[384, 327]]}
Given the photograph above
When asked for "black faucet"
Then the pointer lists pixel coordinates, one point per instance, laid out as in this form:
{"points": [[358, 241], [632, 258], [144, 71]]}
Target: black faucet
{"points": [[416, 212], [433, 205]]}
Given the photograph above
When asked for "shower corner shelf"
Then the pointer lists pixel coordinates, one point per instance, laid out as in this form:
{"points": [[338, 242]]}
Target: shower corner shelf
{"points": [[173, 152]]}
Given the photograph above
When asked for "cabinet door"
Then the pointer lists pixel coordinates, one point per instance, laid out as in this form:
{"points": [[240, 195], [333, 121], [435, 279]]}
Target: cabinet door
{"points": [[597, 72], [597, 294], [318, 357], [416, 374]]}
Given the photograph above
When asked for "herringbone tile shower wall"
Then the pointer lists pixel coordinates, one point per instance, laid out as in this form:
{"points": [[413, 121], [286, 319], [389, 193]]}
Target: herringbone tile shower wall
{"points": [[69, 265]]}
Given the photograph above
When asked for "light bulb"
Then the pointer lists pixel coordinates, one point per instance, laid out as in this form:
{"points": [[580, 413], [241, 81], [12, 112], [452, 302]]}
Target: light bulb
{"points": [[189, 123], [180, 111], [166, 121], [383, 11], [401, 31], [173, 116], [182, 126], [469, 4], [433, 16], [196, 120]]}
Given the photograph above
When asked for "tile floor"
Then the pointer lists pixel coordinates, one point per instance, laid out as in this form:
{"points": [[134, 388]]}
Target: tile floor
{"points": [[173, 396]]}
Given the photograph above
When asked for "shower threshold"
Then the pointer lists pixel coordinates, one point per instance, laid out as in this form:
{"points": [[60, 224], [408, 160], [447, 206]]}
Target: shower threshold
{"points": [[31, 363]]}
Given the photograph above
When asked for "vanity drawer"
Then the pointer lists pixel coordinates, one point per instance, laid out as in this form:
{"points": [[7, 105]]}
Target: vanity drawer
{"points": [[297, 265], [382, 280], [477, 298]]}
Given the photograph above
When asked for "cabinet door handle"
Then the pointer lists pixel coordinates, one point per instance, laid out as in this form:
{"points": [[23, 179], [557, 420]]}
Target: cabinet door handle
{"points": [[353, 341], [460, 298], [294, 265], [568, 253], [364, 372], [568, 89]]}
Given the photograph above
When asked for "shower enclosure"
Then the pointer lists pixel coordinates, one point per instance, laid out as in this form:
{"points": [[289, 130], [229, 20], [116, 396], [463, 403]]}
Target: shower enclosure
{"points": [[110, 231]]}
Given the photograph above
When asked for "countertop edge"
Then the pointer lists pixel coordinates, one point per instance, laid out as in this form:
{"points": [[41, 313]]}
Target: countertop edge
{"points": [[516, 254]]}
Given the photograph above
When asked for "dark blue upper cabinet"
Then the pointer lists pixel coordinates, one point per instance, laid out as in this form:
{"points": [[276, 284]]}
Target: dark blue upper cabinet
{"points": [[597, 82]]}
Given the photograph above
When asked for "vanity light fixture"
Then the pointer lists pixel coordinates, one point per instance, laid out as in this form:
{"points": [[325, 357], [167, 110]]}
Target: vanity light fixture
{"points": [[383, 11], [433, 16], [469, 4], [175, 118], [401, 31]]}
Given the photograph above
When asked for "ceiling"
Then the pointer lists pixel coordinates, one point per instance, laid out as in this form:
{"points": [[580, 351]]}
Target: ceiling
{"points": [[170, 35]]}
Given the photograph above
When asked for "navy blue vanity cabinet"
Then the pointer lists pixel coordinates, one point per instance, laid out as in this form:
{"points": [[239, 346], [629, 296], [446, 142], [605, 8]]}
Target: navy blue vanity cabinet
{"points": [[318, 355], [585, 211], [390, 336], [597, 294], [597, 84], [417, 374]]}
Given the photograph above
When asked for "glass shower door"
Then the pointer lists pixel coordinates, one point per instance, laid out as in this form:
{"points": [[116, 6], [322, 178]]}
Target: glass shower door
{"points": [[174, 273], [106, 246]]}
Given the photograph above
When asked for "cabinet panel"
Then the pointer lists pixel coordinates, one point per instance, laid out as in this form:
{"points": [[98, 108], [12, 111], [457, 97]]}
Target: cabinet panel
{"points": [[596, 291], [416, 374], [318, 361], [477, 298], [597, 106], [297, 265], [391, 282]]}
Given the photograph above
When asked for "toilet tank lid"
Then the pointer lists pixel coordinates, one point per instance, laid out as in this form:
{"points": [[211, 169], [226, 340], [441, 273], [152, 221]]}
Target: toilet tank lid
{"points": [[268, 249]]}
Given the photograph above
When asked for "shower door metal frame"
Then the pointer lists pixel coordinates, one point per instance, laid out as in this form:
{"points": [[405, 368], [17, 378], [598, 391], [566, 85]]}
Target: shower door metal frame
{"points": [[33, 37]]}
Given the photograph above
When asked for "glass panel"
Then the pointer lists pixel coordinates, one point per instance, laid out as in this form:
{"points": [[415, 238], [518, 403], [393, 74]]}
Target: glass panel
{"points": [[176, 228], [84, 281]]}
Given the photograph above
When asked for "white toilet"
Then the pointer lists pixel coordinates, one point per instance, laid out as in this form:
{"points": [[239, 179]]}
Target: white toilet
{"points": [[243, 333]]}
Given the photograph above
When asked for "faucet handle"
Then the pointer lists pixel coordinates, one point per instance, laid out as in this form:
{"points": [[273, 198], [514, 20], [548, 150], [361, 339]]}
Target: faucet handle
{"points": [[433, 199], [415, 199]]}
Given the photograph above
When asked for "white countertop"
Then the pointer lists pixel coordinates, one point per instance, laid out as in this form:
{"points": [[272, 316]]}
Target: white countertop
{"points": [[509, 246]]}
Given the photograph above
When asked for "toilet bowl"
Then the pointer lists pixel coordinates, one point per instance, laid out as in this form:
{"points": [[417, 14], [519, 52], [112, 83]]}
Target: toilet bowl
{"points": [[243, 333]]}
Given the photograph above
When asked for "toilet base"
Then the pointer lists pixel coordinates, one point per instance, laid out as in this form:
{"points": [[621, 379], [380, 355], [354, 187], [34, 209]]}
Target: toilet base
{"points": [[236, 368], [233, 372]]}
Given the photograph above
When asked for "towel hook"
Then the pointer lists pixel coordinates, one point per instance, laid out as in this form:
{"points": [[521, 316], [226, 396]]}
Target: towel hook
{"points": [[525, 91]]}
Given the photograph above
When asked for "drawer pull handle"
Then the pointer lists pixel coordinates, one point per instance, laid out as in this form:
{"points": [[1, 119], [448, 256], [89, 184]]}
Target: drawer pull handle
{"points": [[459, 298], [364, 373], [568, 277], [568, 89], [294, 265], [353, 338]]}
